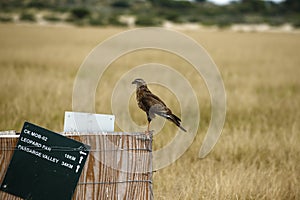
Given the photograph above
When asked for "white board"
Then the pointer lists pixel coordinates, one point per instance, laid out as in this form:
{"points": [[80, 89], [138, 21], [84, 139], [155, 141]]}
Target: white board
{"points": [[88, 122]]}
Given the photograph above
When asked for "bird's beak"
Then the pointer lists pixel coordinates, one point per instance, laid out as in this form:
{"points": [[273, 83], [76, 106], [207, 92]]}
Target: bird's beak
{"points": [[133, 82]]}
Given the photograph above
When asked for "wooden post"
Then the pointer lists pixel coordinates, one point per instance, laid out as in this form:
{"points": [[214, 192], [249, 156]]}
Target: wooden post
{"points": [[119, 166]]}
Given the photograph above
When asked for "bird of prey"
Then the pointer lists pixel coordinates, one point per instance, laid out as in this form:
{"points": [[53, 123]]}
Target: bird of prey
{"points": [[153, 105]]}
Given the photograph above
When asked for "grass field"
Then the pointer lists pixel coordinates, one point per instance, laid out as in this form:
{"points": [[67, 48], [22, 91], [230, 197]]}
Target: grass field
{"points": [[258, 154]]}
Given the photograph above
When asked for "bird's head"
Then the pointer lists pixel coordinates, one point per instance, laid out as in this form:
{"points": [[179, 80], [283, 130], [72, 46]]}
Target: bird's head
{"points": [[139, 82]]}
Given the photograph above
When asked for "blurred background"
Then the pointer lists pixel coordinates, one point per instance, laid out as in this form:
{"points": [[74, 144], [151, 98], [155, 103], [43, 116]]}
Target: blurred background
{"points": [[222, 13], [254, 43]]}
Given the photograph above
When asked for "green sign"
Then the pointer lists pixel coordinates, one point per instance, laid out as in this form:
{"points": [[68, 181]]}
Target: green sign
{"points": [[45, 165]]}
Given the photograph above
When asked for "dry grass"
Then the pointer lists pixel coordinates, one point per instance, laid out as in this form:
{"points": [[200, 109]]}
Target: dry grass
{"points": [[258, 155]]}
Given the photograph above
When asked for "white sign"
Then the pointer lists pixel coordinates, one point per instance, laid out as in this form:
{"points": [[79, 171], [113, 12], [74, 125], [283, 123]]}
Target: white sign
{"points": [[88, 122]]}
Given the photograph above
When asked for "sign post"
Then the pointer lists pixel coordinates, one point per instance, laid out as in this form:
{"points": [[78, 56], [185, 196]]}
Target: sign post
{"points": [[45, 165]]}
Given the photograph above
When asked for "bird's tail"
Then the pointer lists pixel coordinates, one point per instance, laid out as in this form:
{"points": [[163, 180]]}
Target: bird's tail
{"points": [[177, 121], [182, 128]]}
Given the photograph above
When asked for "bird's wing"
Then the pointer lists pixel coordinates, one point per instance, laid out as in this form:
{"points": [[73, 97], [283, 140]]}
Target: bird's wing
{"points": [[155, 105], [156, 99]]}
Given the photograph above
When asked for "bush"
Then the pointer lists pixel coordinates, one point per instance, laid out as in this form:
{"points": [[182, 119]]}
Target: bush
{"points": [[80, 13], [97, 21], [114, 20], [275, 21], [253, 19], [6, 18], [173, 4], [52, 18], [27, 16], [172, 16], [224, 23], [296, 24], [295, 21], [38, 4], [146, 20], [121, 4], [194, 19]]}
